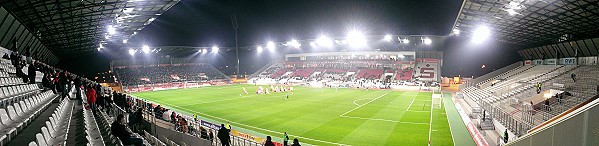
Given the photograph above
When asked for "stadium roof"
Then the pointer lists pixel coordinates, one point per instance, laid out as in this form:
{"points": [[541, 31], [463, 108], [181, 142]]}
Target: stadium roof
{"points": [[77, 27], [532, 23]]}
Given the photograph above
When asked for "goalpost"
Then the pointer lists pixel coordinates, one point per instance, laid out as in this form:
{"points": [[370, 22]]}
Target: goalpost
{"points": [[437, 99]]}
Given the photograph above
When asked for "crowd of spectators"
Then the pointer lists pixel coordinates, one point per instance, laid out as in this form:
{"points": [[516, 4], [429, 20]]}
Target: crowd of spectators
{"points": [[166, 73]]}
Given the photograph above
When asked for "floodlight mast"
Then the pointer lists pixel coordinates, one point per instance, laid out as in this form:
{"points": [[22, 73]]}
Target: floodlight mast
{"points": [[236, 26]]}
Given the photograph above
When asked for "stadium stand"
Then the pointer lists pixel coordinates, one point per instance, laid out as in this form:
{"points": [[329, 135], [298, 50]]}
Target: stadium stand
{"points": [[514, 98], [166, 73]]}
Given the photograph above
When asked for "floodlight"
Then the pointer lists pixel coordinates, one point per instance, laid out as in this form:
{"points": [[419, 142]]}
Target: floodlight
{"points": [[456, 31], [294, 44], [131, 52], [427, 41], [124, 41], [313, 44], [270, 45], [388, 37], [405, 41], [324, 41], [111, 30], [204, 51], [356, 39], [259, 48], [99, 48], [145, 49], [512, 12], [481, 34], [215, 49]]}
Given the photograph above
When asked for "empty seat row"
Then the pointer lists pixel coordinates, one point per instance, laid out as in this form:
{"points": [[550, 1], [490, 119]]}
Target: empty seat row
{"points": [[8, 68], [153, 140], [4, 74], [93, 135], [16, 90], [18, 115], [57, 126], [10, 81]]}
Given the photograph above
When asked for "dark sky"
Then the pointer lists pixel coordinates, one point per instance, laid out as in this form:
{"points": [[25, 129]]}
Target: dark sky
{"points": [[207, 23]]}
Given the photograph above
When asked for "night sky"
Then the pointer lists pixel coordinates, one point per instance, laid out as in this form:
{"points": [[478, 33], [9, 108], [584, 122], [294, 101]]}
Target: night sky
{"points": [[207, 22]]}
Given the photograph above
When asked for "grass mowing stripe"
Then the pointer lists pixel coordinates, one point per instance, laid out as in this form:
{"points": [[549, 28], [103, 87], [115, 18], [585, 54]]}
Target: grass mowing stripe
{"points": [[315, 113], [262, 129]]}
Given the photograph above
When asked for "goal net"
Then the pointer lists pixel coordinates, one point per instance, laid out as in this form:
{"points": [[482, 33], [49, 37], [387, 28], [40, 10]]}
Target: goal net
{"points": [[437, 100]]}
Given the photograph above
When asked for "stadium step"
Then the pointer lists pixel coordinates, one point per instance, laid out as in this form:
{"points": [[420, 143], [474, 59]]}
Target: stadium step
{"points": [[28, 134]]}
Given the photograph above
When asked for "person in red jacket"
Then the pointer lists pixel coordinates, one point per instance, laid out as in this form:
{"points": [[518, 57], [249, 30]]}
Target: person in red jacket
{"points": [[91, 97]]}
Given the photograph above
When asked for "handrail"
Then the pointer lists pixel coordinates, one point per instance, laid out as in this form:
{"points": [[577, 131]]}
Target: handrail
{"points": [[564, 114]]}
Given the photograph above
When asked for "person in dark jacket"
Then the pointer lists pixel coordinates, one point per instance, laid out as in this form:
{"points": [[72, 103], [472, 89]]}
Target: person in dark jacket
{"points": [[31, 72], [78, 87], [121, 131], [295, 142], [223, 135], [268, 141], [63, 81], [46, 81], [135, 119]]}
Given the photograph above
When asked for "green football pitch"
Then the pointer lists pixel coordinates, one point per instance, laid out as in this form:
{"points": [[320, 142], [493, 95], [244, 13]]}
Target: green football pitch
{"points": [[319, 116]]}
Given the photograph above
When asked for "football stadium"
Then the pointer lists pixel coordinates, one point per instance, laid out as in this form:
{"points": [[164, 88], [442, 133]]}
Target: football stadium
{"points": [[292, 73]]}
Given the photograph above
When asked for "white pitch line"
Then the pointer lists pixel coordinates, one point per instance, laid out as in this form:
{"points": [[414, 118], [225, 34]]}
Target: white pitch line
{"points": [[430, 128], [410, 105], [360, 100], [386, 120], [363, 104], [225, 120]]}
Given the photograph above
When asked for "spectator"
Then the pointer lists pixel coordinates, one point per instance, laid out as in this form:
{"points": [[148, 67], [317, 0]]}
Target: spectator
{"points": [[597, 89], [223, 135], [78, 87], [135, 120], [573, 76], [91, 98], [295, 142], [46, 81], [63, 81], [31, 72], [173, 117], [121, 131], [268, 141], [5, 56], [285, 138]]}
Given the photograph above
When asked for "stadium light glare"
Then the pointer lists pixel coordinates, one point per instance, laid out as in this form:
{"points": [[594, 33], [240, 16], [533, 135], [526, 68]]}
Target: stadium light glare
{"points": [[271, 46], [294, 43], [99, 49], [215, 49], [456, 31], [511, 12], [111, 30], [324, 41], [131, 52], [427, 41], [145, 49], [356, 39], [313, 44], [204, 51], [481, 34], [259, 48], [124, 41], [405, 41], [388, 38]]}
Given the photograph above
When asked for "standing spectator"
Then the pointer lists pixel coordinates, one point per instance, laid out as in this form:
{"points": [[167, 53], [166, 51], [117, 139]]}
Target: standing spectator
{"points": [[285, 138], [268, 141], [173, 117], [295, 142], [78, 87], [135, 120], [46, 81], [597, 89], [121, 131], [505, 136], [31, 72], [91, 98], [223, 135], [573, 76], [63, 81]]}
